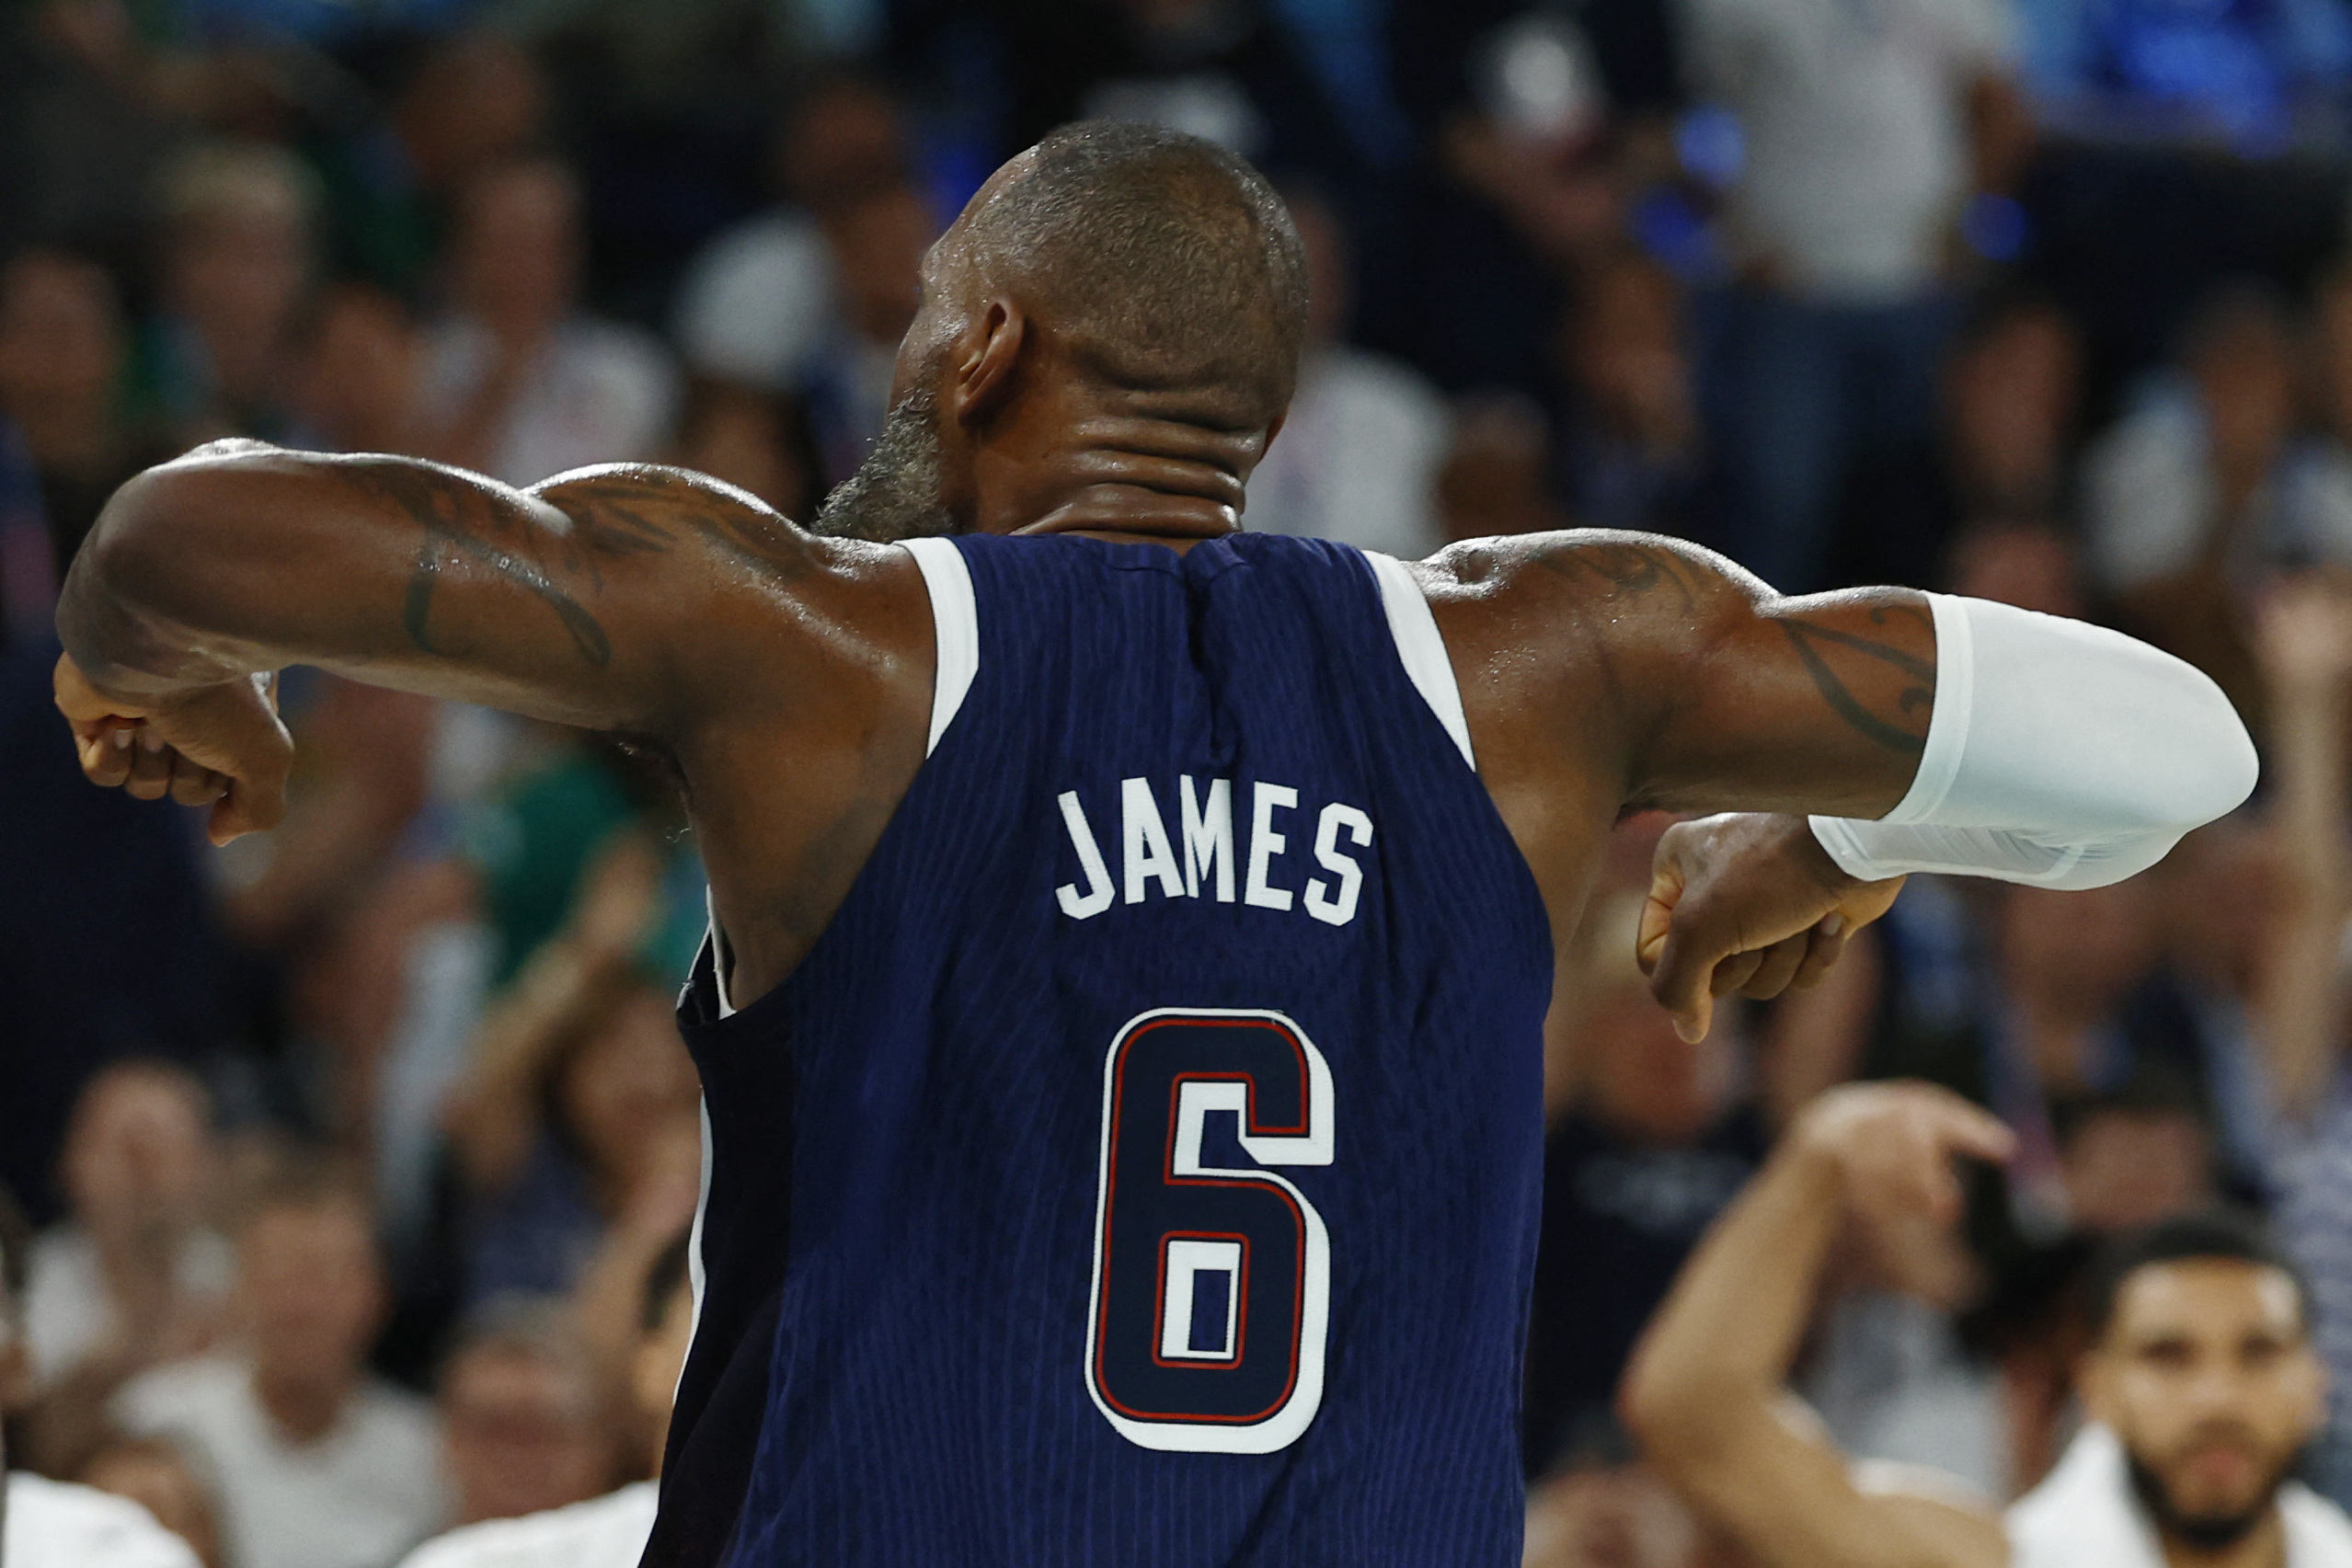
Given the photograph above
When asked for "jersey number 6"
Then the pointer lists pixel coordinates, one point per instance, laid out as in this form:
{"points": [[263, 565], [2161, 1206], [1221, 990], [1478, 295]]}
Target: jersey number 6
{"points": [[1213, 1274]]}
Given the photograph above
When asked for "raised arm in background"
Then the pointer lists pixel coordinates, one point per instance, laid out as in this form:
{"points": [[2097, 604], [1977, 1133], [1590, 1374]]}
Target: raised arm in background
{"points": [[2303, 642], [1705, 1393]]}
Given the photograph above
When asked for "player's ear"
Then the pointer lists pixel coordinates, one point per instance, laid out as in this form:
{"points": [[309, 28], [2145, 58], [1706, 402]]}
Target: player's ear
{"points": [[981, 376]]}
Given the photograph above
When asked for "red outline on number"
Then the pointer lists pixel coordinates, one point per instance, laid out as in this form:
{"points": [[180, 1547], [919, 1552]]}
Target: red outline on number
{"points": [[1241, 1306], [1110, 1197]]}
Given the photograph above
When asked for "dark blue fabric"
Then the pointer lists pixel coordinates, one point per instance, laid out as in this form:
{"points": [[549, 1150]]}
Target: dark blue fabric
{"points": [[935, 1069]]}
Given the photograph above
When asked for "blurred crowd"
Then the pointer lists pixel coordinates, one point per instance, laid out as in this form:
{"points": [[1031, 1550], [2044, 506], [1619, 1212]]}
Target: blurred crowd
{"points": [[344, 1163]]}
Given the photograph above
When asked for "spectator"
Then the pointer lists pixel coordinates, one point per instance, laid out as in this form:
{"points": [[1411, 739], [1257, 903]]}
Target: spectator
{"points": [[157, 1476], [2199, 1348], [517, 384], [137, 1275], [359, 383], [1653, 1137], [466, 102], [2186, 475], [522, 1415], [1520, 189], [43, 1521], [2204, 489], [321, 1465], [1857, 127], [608, 1531], [238, 264], [1609, 1515], [2032, 565], [2071, 1014], [2294, 1012], [85, 131], [1494, 478], [874, 241], [2012, 390], [754, 440], [1629, 446], [105, 936], [2136, 1157], [753, 307], [1357, 456], [61, 358], [2011, 394], [1226, 70], [573, 1127]]}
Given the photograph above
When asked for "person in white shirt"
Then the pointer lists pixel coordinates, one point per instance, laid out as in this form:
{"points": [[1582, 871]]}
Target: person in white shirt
{"points": [[2201, 1384], [521, 1414], [1855, 120], [1358, 455], [518, 383], [608, 1531], [319, 1464], [760, 300], [133, 1277], [50, 1524]]}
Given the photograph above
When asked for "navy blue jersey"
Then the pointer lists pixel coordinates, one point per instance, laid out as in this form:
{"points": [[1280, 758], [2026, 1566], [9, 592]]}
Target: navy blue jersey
{"points": [[1143, 1170]]}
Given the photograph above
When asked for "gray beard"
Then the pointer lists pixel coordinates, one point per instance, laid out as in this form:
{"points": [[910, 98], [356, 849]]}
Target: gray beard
{"points": [[894, 495]]}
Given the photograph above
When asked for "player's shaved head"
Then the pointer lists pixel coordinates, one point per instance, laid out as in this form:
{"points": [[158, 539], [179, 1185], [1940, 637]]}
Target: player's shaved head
{"points": [[1167, 263], [1108, 336]]}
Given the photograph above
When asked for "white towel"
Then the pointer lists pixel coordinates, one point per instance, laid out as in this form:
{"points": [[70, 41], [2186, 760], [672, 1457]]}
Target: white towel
{"points": [[2084, 1516]]}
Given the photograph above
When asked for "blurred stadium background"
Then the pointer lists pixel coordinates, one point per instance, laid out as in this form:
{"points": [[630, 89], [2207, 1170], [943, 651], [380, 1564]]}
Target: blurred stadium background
{"points": [[2042, 300]]}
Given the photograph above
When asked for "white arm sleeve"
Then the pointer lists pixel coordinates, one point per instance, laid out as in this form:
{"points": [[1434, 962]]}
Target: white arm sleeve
{"points": [[2059, 754]]}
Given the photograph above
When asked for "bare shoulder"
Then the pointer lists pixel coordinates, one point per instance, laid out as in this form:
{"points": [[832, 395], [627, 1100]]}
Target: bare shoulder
{"points": [[1581, 634], [644, 508], [772, 606], [1576, 569]]}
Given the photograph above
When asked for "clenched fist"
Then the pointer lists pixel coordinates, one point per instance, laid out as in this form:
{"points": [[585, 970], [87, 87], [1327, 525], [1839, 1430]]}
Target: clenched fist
{"points": [[1746, 903], [220, 745]]}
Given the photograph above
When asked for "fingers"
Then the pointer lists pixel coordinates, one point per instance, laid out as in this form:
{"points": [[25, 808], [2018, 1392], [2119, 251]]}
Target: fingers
{"points": [[1776, 965], [1971, 1130], [1683, 979], [150, 764], [106, 753], [1822, 953], [192, 784], [251, 806]]}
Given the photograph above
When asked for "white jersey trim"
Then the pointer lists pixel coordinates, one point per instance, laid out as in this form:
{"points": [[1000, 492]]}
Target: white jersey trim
{"points": [[1421, 647], [954, 621]]}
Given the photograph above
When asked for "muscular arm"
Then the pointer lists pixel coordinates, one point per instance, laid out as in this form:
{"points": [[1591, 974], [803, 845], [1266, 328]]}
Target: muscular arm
{"points": [[600, 599], [1691, 686], [1608, 672], [1705, 1393]]}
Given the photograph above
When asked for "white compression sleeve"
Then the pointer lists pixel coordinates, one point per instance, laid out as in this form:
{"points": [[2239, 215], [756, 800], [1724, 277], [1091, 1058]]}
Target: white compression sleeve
{"points": [[2059, 754]]}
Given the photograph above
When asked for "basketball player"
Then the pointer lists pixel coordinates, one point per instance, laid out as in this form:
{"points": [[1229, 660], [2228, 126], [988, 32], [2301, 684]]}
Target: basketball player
{"points": [[1120, 1030], [2202, 1384]]}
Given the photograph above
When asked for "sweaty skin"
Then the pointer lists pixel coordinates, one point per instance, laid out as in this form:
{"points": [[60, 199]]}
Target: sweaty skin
{"points": [[786, 677]]}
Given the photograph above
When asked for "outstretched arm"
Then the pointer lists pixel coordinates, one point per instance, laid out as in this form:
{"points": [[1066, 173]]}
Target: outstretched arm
{"points": [[611, 599], [1916, 731], [1704, 1392]]}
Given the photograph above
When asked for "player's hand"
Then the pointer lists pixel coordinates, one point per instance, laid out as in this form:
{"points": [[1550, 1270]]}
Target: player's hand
{"points": [[1892, 1146], [220, 745], [1746, 903]]}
